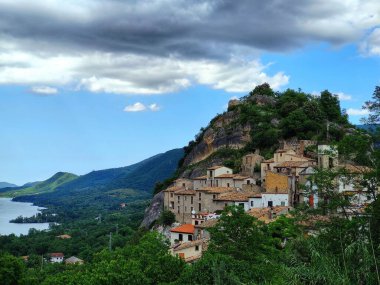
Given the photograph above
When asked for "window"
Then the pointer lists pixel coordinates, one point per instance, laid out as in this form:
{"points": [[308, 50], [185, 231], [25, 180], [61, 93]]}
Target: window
{"points": [[216, 183], [228, 184], [200, 207], [178, 209], [172, 205], [185, 209], [171, 195], [270, 203], [248, 182], [183, 184], [196, 222], [210, 173], [185, 197], [189, 237], [200, 196], [192, 209], [225, 204], [214, 196], [178, 198], [192, 200], [180, 237], [241, 205], [268, 166], [197, 248], [251, 203], [282, 203]]}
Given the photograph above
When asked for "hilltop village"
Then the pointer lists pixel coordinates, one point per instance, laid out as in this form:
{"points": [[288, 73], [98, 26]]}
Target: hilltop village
{"points": [[265, 189]]}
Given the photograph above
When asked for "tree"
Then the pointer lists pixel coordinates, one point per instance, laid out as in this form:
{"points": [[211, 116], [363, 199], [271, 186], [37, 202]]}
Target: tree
{"points": [[263, 89], [11, 269], [167, 217], [373, 107], [330, 105]]}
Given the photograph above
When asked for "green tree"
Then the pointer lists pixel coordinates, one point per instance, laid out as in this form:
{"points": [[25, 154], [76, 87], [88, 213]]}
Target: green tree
{"points": [[11, 269], [373, 106], [330, 105]]}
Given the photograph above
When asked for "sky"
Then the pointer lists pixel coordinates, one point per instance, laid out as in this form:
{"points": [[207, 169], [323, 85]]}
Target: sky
{"points": [[94, 84]]}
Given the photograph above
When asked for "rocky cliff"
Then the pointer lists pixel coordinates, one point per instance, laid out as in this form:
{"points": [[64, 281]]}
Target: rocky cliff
{"points": [[221, 133]]}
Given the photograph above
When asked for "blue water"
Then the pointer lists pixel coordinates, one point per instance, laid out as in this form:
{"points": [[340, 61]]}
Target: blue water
{"points": [[10, 210]]}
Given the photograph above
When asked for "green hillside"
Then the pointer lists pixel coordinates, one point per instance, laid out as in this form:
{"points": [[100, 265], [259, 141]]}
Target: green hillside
{"points": [[47, 186]]}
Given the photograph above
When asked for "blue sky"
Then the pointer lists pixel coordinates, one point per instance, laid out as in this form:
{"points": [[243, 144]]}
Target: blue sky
{"points": [[91, 90]]}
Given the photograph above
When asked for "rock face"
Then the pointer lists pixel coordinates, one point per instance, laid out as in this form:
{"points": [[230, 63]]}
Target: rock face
{"points": [[153, 212], [220, 134]]}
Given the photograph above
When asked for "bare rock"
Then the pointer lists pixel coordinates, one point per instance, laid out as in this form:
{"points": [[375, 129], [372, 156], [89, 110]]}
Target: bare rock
{"points": [[153, 212]]}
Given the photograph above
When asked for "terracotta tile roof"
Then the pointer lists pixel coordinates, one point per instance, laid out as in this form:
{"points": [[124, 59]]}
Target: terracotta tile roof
{"points": [[188, 244], [225, 176], [235, 196], [282, 192], [239, 177], [207, 224], [292, 164], [56, 254], [204, 177], [185, 192], [185, 228], [73, 260], [215, 167], [264, 214], [216, 189], [174, 189]]}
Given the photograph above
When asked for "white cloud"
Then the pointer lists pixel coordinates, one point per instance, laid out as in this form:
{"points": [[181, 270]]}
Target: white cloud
{"points": [[154, 107], [371, 45], [357, 112], [137, 107], [343, 97], [44, 90]]}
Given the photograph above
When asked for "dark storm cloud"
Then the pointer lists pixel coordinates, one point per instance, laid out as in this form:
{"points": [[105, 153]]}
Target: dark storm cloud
{"points": [[161, 46], [190, 29]]}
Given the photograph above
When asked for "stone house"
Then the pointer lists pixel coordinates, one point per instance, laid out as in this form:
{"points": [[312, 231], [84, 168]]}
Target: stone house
{"points": [[250, 162], [189, 251], [200, 182], [281, 156]]}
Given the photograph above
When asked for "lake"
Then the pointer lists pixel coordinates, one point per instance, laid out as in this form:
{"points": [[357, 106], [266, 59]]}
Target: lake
{"points": [[10, 210]]}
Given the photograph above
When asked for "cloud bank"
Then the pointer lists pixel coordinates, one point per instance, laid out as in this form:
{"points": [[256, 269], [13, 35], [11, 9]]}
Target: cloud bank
{"points": [[161, 46]]}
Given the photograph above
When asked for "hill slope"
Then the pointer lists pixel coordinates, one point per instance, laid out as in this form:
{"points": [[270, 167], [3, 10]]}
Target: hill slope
{"points": [[108, 188], [49, 185]]}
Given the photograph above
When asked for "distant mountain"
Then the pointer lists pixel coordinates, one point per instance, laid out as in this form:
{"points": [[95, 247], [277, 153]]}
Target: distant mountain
{"points": [[6, 184], [111, 186], [30, 184], [46, 186]]}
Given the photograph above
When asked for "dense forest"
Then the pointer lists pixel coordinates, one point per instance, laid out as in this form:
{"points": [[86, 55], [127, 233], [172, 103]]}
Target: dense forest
{"points": [[308, 246]]}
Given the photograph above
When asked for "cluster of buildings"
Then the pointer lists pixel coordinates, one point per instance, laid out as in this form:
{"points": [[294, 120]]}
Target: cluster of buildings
{"points": [[264, 188]]}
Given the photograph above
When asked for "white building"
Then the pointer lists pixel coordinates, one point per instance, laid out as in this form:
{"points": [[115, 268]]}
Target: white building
{"points": [[266, 199], [183, 233], [56, 257]]}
